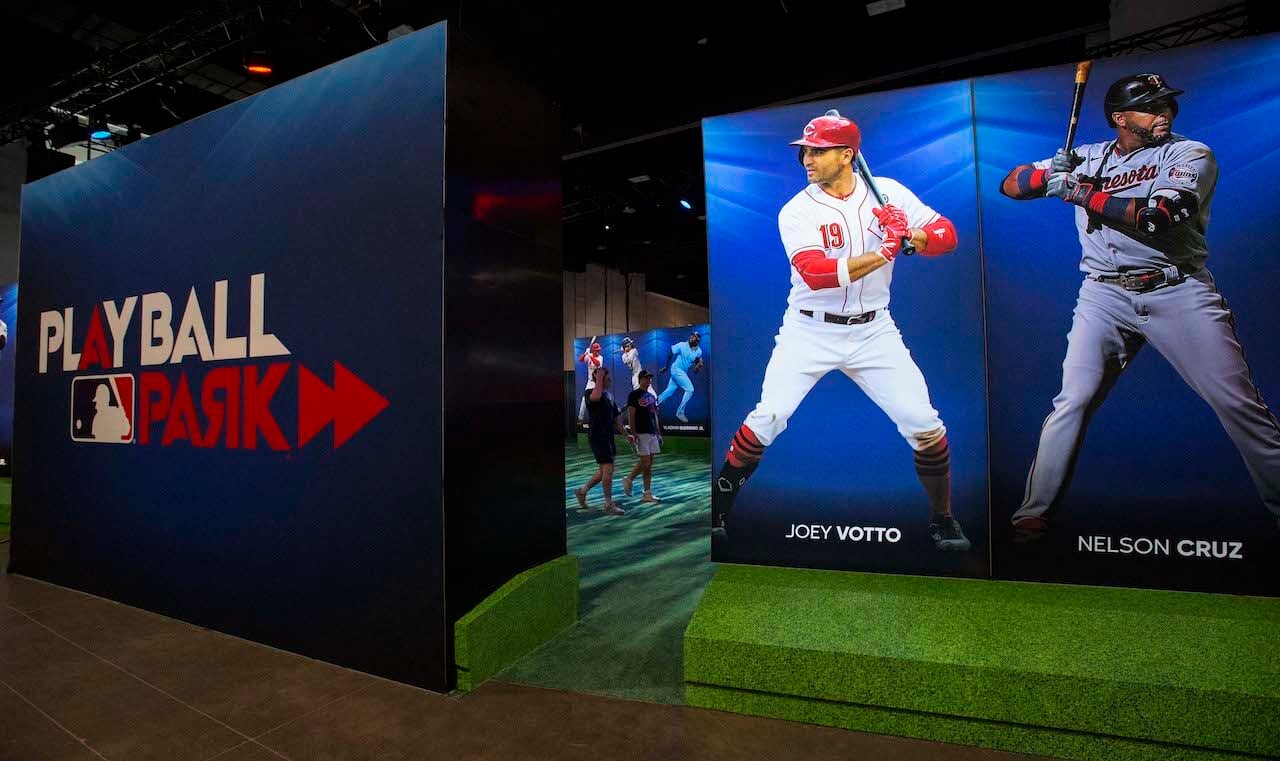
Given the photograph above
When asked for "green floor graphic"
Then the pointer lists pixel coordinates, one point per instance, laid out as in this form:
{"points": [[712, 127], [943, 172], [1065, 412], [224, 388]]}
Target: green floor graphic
{"points": [[642, 575]]}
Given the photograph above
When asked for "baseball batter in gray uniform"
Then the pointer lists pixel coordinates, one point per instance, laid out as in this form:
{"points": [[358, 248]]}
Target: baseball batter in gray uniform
{"points": [[1142, 205]]}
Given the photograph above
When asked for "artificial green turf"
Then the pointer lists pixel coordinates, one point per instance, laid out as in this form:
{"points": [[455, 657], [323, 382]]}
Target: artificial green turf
{"points": [[950, 729], [6, 507], [1173, 667], [518, 617], [642, 574]]}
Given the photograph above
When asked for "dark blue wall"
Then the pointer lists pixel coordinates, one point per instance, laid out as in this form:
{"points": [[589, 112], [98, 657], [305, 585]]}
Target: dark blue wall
{"points": [[331, 185]]}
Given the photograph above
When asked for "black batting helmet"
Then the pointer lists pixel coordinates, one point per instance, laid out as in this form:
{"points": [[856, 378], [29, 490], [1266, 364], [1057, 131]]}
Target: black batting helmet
{"points": [[1133, 92], [627, 341]]}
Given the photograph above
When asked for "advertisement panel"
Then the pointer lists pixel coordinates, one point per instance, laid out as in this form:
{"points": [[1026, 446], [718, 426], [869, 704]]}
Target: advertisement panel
{"points": [[849, 417], [1132, 328]]}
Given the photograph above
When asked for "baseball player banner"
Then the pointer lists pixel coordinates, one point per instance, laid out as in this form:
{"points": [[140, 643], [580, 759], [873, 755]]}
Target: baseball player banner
{"points": [[1128, 276], [677, 357], [849, 421]]}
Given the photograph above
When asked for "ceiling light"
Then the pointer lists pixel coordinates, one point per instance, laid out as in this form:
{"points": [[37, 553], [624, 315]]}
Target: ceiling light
{"points": [[639, 178], [98, 130], [686, 204], [398, 31], [884, 6], [628, 210], [257, 62]]}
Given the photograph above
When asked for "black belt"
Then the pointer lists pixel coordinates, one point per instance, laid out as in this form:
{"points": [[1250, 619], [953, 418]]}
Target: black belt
{"points": [[843, 319], [1140, 282]]}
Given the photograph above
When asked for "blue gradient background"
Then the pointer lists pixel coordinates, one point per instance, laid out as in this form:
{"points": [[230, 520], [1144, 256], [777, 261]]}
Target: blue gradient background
{"points": [[841, 460], [655, 348], [1155, 461], [8, 313]]}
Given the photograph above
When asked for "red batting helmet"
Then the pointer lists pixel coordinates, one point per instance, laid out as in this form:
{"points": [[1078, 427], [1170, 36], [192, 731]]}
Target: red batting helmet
{"points": [[595, 347], [831, 130]]}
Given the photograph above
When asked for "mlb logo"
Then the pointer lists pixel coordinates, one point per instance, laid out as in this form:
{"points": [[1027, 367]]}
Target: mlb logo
{"points": [[102, 409]]}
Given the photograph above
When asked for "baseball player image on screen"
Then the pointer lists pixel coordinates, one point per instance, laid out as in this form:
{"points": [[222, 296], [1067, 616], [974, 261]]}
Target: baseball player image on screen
{"points": [[631, 358], [592, 359], [685, 358], [1142, 205], [840, 244]]}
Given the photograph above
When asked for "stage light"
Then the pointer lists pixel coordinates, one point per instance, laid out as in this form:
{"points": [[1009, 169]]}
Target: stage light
{"points": [[98, 130], [606, 227], [686, 204], [257, 62]]}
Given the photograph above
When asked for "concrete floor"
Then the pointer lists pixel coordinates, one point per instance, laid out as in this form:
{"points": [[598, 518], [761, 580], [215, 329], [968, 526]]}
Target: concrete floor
{"points": [[83, 678]]}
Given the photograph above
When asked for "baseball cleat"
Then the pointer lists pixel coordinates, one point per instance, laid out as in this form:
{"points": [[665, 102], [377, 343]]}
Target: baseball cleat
{"points": [[948, 536], [582, 498], [1029, 528], [680, 416], [613, 509], [719, 539], [626, 485]]}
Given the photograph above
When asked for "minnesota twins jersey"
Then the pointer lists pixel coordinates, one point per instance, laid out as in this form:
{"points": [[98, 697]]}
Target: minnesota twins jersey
{"points": [[841, 228], [1176, 164], [685, 356]]}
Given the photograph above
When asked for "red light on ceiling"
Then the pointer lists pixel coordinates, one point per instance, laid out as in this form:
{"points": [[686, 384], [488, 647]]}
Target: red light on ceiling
{"points": [[259, 69]]}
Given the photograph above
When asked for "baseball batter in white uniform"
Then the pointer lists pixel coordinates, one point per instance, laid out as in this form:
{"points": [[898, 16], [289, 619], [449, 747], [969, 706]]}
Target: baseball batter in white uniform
{"points": [[631, 358], [840, 244]]}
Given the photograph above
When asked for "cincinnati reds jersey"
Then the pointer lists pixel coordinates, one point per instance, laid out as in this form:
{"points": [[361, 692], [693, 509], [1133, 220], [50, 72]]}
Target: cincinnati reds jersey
{"points": [[840, 228], [1175, 164], [592, 361]]}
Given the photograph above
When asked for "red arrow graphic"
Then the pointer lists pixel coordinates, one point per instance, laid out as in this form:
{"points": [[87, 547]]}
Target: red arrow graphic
{"points": [[350, 404]]}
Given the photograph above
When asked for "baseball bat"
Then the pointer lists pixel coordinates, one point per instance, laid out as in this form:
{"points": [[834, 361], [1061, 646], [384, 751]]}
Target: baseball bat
{"points": [[864, 172], [1082, 79]]}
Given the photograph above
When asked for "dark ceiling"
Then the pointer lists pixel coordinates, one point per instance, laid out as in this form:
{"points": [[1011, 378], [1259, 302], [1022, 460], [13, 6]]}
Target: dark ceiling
{"points": [[632, 79]]}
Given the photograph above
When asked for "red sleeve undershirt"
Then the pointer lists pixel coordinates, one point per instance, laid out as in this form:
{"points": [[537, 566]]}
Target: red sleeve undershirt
{"points": [[819, 272], [942, 237], [816, 269]]}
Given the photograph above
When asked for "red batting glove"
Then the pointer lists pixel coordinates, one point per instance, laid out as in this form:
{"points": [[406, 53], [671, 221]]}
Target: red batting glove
{"points": [[893, 241], [890, 214]]}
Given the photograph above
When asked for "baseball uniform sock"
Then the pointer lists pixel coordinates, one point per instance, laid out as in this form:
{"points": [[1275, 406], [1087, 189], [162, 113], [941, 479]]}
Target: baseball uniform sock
{"points": [[933, 467], [740, 462]]}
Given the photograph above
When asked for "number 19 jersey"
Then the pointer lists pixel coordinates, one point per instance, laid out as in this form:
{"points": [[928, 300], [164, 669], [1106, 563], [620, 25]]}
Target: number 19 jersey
{"points": [[840, 228]]}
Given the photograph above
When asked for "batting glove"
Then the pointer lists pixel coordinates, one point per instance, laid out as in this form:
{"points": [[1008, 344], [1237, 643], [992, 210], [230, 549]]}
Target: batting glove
{"points": [[1065, 161], [1069, 188]]}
